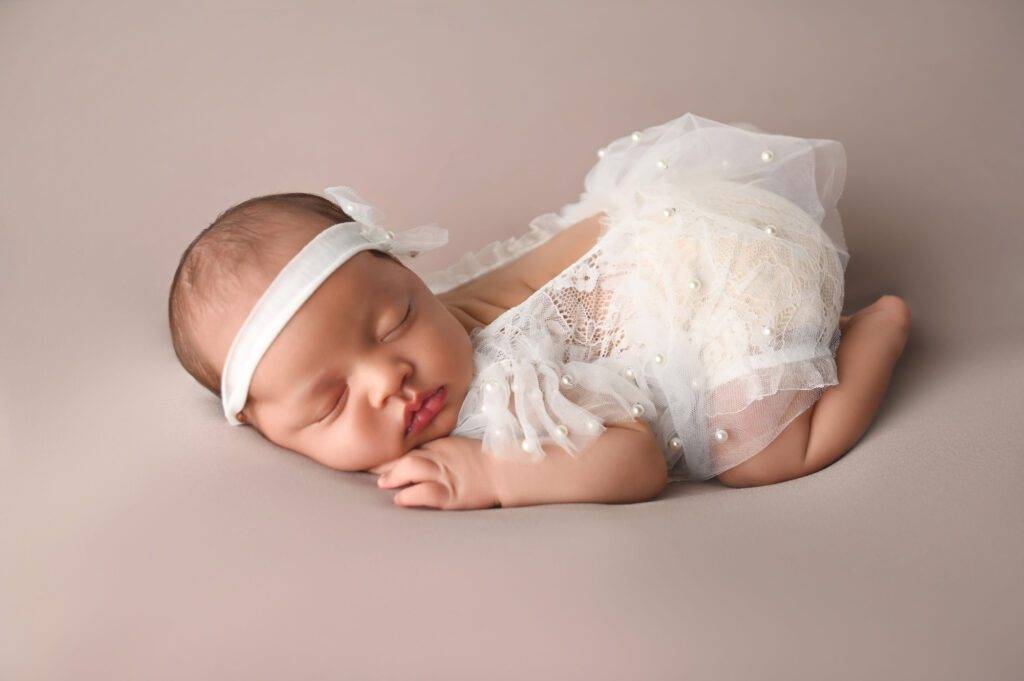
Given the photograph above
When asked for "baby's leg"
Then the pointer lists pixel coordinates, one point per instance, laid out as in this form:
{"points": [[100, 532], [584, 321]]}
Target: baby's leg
{"points": [[873, 340]]}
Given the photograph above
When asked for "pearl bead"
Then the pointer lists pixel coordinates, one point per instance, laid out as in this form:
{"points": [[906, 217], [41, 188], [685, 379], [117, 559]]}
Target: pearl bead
{"points": [[766, 330], [568, 381], [562, 430], [721, 435], [600, 153], [390, 235], [629, 373], [769, 229], [527, 446], [669, 212], [663, 164], [635, 136], [637, 410], [695, 383], [483, 408], [499, 431], [594, 426], [675, 443], [725, 163], [659, 359], [694, 284], [490, 387], [349, 208], [767, 155]]}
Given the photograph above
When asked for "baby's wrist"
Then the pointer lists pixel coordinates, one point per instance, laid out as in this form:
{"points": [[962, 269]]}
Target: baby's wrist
{"points": [[499, 479], [506, 479]]}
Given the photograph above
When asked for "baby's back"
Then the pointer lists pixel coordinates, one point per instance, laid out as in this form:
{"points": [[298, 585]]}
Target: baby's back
{"points": [[487, 297]]}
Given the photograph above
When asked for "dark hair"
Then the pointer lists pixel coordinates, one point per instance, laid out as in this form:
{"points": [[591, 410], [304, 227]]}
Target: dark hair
{"points": [[241, 243]]}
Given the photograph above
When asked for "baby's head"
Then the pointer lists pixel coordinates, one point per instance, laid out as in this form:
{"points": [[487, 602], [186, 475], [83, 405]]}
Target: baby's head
{"points": [[335, 383]]}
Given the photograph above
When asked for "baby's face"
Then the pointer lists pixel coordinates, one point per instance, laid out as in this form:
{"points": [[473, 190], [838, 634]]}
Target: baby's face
{"points": [[335, 383]]}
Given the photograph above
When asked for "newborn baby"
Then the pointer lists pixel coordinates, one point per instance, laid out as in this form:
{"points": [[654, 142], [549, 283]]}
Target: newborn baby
{"points": [[373, 369]]}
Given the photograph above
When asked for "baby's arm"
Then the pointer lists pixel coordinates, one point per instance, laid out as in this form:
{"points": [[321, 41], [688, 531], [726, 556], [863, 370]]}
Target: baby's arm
{"points": [[623, 465]]}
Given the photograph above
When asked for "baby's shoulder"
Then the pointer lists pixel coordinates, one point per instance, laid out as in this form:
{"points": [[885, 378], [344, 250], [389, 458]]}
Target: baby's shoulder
{"points": [[486, 298], [545, 262], [530, 271]]}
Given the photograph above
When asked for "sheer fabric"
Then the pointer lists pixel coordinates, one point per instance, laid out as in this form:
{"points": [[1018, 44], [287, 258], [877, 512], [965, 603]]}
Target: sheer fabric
{"points": [[708, 306]]}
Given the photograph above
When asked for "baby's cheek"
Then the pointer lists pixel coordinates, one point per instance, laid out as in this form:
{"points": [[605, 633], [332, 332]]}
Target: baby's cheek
{"points": [[367, 452], [325, 449]]}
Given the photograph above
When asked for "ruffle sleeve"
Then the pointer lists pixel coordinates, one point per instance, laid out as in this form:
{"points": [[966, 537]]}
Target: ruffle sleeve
{"points": [[474, 264], [528, 392]]}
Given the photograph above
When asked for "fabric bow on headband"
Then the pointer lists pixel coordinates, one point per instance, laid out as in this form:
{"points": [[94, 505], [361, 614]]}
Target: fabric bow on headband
{"points": [[303, 274], [409, 242]]}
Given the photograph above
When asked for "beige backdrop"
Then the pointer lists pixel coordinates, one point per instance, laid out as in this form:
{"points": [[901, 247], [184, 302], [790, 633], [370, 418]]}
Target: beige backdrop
{"points": [[143, 538]]}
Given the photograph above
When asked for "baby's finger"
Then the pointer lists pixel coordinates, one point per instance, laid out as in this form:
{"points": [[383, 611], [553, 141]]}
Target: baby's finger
{"points": [[432, 494], [410, 468]]}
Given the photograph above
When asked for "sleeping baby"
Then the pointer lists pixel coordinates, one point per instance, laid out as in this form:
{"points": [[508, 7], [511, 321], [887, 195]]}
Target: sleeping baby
{"points": [[680, 321]]}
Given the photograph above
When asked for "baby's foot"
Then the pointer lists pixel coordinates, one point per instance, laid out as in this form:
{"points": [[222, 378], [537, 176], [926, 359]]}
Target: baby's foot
{"points": [[894, 307], [890, 314]]}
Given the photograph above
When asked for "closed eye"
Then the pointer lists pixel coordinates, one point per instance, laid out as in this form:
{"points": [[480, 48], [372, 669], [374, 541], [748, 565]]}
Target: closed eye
{"points": [[408, 313], [331, 410]]}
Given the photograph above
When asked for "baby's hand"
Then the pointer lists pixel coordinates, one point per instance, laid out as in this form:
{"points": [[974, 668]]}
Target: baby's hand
{"points": [[449, 473]]}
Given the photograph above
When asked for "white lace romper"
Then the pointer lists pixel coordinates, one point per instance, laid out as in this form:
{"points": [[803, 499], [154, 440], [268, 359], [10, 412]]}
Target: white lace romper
{"points": [[708, 306]]}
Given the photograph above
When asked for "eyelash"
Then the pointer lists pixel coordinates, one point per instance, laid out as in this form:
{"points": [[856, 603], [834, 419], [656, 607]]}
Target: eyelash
{"points": [[408, 313]]}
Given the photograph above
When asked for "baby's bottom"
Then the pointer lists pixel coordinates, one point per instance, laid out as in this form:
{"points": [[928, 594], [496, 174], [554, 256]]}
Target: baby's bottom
{"points": [[872, 341]]}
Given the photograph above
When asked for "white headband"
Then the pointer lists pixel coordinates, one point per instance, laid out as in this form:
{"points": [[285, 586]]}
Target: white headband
{"points": [[297, 280]]}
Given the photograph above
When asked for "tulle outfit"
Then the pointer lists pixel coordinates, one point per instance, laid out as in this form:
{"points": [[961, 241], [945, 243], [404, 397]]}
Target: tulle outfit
{"points": [[708, 306]]}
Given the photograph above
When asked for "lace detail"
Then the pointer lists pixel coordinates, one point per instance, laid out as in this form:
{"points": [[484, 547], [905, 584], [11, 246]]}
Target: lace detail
{"points": [[708, 307], [583, 279]]}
